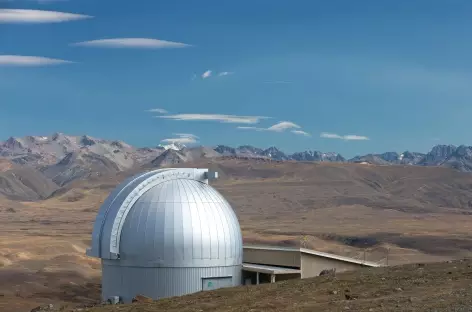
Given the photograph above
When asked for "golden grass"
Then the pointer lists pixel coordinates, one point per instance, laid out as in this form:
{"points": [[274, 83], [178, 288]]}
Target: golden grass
{"points": [[331, 208]]}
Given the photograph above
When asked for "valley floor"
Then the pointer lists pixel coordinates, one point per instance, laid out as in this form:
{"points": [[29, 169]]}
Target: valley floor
{"points": [[403, 215]]}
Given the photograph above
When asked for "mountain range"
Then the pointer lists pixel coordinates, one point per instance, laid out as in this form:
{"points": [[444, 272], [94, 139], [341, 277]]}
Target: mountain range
{"points": [[34, 167]]}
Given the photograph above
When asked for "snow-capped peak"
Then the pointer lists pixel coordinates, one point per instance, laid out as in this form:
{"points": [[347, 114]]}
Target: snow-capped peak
{"points": [[173, 146]]}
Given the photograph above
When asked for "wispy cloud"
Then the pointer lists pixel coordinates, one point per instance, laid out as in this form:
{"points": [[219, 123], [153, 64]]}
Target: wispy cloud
{"points": [[18, 60], [37, 16], [326, 135], [279, 127], [141, 43], [355, 137], [206, 74], [301, 132], [186, 135], [157, 110], [225, 73], [349, 137], [283, 125], [182, 138], [215, 117], [209, 73], [251, 128]]}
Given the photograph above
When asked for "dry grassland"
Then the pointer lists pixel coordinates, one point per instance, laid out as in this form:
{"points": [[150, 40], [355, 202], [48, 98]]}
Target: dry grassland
{"points": [[411, 214]]}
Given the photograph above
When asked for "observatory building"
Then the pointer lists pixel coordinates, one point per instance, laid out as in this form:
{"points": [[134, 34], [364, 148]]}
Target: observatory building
{"points": [[166, 233]]}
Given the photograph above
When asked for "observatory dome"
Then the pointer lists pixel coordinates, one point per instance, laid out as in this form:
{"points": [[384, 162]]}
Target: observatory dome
{"points": [[166, 233]]}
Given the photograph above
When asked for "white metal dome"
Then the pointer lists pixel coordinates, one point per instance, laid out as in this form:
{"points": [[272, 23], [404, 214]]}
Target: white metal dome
{"points": [[181, 223], [162, 220]]}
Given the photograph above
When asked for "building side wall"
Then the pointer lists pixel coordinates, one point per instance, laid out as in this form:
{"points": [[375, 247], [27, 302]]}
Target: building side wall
{"points": [[272, 257], [286, 277], [312, 265], [158, 283]]}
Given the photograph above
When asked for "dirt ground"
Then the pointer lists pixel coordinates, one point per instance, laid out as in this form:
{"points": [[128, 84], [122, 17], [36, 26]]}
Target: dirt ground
{"points": [[424, 287], [383, 214]]}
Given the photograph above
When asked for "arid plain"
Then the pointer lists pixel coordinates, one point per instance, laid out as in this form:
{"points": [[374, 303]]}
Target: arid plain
{"points": [[389, 214]]}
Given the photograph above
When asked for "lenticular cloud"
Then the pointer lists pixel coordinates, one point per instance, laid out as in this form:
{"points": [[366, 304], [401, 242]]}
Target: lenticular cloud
{"points": [[13, 16], [143, 43], [19, 60]]}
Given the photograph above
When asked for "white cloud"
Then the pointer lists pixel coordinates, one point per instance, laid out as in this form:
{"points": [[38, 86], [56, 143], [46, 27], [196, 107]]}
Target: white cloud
{"points": [[301, 132], [282, 126], [225, 73], [349, 137], [182, 138], [18, 60], [206, 74], [216, 117], [157, 110], [245, 127], [209, 73], [179, 140], [355, 137], [330, 136], [279, 127], [144, 43], [37, 16], [186, 135], [252, 128]]}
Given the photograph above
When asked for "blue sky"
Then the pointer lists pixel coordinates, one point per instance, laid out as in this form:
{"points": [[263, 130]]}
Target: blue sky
{"points": [[397, 73]]}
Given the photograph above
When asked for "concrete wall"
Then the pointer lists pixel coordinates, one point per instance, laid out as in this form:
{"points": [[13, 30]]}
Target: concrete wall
{"points": [[272, 257], [309, 264], [312, 265], [265, 278], [285, 277]]}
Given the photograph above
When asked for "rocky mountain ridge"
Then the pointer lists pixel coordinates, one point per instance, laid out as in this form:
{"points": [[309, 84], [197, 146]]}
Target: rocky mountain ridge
{"points": [[43, 151], [451, 156], [60, 159]]}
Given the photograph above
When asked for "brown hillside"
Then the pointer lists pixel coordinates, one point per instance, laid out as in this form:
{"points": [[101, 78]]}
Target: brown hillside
{"points": [[413, 214], [5, 164], [24, 183], [431, 287]]}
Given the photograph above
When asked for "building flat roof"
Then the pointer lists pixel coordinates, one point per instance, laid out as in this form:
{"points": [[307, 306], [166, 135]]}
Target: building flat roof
{"points": [[340, 258], [315, 253], [268, 269]]}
